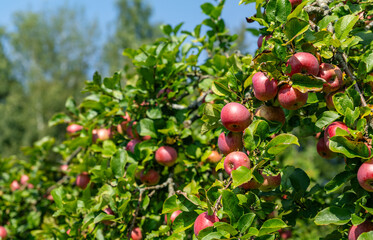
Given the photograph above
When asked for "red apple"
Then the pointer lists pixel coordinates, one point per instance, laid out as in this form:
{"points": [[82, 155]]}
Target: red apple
{"points": [[333, 77], [331, 130], [230, 142], [203, 221], [166, 156], [30, 186], [214, 157], [324, 150], [291, 98], [264, 88], [50, 197], [365, 175], [24, 179], [150, 178], [252, 184], [104, 134], [136, 234], [235, 160], [73, 128], [356, 230], [173, 216], [285, 233], [64, 168], [131, 145], [109, 212], [303, 62], [260, 40], [295, 3], [270, 113], [82, 180], [235, 117], [132, 131], [270, 182], [121, 127], [14, 185], [329, 99], [147, 137], [68, 231], [3, 232]]}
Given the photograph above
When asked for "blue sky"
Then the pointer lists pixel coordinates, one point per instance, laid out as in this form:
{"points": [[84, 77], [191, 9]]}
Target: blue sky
{"points": [[164, 11]]}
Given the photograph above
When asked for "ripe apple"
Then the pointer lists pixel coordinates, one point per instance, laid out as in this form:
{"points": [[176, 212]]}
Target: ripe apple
{"points": [[356, 230], [136, 234], [132, 131], [68, 231], [82, 180], [14, 185], [173, 216], [323, 150], [150, 178], [285, 233], [121, 127], [214, 157], [50, 197], [333, 77], [166, 156], [235, 160], [64, 167], [365, 175], [230, 142], [104, 134], [291, 98], [260, 40], [73, 128], [3, 232], [131, 145], [330, 131], [147, 137], [270, 113], [109, 212], [203, 221], [295, 3], [235, 117], [264, 88], [303, 62], [24, 179], [270, 182], [30, 186], [252, 184]]}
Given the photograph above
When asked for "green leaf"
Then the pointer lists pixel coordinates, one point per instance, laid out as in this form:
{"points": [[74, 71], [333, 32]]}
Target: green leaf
{"points": [[220, 88], [350, 149], [231, 207], [338, 181], [154, 113], [108, 148], [299, 180], [341, 102], [327, 118], [57, 194], [255, 133], [240, 176], [103, 217], [58, 118], [207, 8], [146, 127], [280, 143], [366, 236], [295, 27], [306, 83], [71, 106], [278, 10], [298, 10], [323, 23], [252, 232], [225, 228], [271, 226], [333, 215], [351, 116], [118, 163], [344, 26], [184, 221], [245, 221]]}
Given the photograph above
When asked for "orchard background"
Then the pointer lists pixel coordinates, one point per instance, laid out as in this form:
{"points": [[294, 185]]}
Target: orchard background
{"points": [[196, 139]]}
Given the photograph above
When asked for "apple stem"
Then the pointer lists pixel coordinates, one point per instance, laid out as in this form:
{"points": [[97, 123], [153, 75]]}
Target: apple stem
{"points": [[219, 199]]}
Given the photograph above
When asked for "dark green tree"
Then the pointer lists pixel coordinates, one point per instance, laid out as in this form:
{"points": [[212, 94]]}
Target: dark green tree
{"points": [[132, 29]]}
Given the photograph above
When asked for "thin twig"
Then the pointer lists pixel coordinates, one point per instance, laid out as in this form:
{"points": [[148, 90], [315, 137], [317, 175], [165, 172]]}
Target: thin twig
{"points": [[219, 199]]}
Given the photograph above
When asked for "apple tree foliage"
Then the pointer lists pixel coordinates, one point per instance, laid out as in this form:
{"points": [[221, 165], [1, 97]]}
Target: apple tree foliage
{"points": [[174, 98]]}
